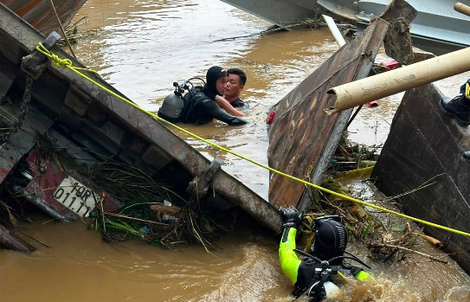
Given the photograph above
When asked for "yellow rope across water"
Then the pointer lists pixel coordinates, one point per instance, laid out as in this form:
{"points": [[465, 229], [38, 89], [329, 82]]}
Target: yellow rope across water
{"points": [[66, 63]]}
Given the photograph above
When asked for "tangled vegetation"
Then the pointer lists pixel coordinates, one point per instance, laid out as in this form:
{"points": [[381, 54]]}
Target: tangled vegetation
{"points": [[149, 211], [388, 238]]}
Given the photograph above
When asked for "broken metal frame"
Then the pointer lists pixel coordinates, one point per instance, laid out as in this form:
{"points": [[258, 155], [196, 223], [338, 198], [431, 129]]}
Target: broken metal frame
{"points": [[163, 142]]}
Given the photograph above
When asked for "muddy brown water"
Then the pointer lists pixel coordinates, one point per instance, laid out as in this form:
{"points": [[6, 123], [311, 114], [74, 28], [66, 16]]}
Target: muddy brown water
{"points": [[142, 47]]}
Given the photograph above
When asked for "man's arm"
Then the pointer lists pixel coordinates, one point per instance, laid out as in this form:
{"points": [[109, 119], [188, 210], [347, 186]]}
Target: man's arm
{"points": [[289, 261], [224, 104], [210, 108]]}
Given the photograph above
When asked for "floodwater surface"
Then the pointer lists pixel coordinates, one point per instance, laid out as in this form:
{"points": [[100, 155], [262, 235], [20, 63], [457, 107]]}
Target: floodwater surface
{"points": [[142, 47]]}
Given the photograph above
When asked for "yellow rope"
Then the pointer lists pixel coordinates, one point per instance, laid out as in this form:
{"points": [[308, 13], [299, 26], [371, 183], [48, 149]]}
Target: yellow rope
{"points": [[68, 64]]}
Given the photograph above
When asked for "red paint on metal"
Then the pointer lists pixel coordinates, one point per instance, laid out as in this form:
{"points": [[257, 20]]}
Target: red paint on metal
{"points": [[47, 177]]}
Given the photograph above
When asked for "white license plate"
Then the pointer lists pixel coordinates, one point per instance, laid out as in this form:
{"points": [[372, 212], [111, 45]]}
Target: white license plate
{"points": [[76, 196]]}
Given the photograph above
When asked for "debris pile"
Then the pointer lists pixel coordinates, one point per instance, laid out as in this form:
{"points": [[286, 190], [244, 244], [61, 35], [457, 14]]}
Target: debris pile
{"points": [[387, 237], [151, 211]]}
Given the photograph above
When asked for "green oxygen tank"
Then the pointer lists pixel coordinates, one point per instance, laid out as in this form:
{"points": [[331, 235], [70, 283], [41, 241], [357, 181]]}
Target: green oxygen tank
{"points": [[173, 105]]}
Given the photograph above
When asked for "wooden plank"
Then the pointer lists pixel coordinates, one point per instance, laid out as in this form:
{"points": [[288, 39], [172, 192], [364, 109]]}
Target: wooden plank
{"points": [[302, 137], [423, 144]]}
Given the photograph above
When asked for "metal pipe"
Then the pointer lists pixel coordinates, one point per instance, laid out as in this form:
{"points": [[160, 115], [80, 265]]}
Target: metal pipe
{"points": [[462, 8], [385, 84], [334, 30]]}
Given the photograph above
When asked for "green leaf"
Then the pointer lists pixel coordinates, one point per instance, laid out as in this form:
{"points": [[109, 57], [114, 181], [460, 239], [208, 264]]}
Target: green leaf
{"points": [[398, 228]]}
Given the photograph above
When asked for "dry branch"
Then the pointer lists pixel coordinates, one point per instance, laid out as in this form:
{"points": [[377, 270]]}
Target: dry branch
{"points": [[384, 245]]}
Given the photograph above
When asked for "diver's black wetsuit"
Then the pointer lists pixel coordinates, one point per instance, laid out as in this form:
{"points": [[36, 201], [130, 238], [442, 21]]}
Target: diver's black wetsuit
{"points": [[203, 109]]}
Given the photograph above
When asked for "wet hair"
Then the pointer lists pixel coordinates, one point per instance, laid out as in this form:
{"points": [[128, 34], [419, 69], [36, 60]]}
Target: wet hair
{"points": [[213, 74], [239, 73], [331, 239]]}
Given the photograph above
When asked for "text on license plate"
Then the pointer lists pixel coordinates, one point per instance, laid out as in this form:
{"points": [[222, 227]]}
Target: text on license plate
{"points": [[76, 196]]}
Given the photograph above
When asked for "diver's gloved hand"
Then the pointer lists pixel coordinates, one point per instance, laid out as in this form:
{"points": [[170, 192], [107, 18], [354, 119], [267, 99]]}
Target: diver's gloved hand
{"points": [[291, 217]]}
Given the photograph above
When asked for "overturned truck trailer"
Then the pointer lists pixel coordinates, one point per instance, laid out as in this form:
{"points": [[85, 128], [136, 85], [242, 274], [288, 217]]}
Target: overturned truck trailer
{"points": [[40, 100]]}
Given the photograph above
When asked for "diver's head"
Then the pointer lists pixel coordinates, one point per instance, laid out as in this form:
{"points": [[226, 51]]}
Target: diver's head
{"points": [[331, 237], [215, 81]]}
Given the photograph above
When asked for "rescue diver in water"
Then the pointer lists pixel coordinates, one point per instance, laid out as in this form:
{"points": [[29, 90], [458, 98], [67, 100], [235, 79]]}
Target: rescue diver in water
{"points": [[312, 275], [200, 106]]}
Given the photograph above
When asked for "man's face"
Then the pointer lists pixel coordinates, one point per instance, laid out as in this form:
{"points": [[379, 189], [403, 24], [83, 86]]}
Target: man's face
{"points": [[232, 86], [220, 84]]}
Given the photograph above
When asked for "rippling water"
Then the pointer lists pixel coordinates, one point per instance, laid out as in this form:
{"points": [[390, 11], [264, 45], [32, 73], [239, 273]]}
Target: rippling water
{"points": [[142, 47]]}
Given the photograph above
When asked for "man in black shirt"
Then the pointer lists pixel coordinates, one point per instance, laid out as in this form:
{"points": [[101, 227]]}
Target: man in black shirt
{"points": [[236, 80]]}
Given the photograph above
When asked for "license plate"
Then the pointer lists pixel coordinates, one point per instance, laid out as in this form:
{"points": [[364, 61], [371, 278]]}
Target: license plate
{"points": [[76, 196]]}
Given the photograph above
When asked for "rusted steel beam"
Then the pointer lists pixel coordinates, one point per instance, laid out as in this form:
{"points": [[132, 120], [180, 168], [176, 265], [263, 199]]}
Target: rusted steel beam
{"points": [[426, 146], [302, 137], [9, 241]]}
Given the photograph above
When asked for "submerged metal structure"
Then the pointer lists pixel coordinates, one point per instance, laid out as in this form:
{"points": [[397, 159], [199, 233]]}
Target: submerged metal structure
{"points": [[437, 27], [91, 124], [425, 146]]}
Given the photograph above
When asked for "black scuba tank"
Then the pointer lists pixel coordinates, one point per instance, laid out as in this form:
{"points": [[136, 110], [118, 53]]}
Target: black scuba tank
{"points": [[173, 105], [177, 107]]}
